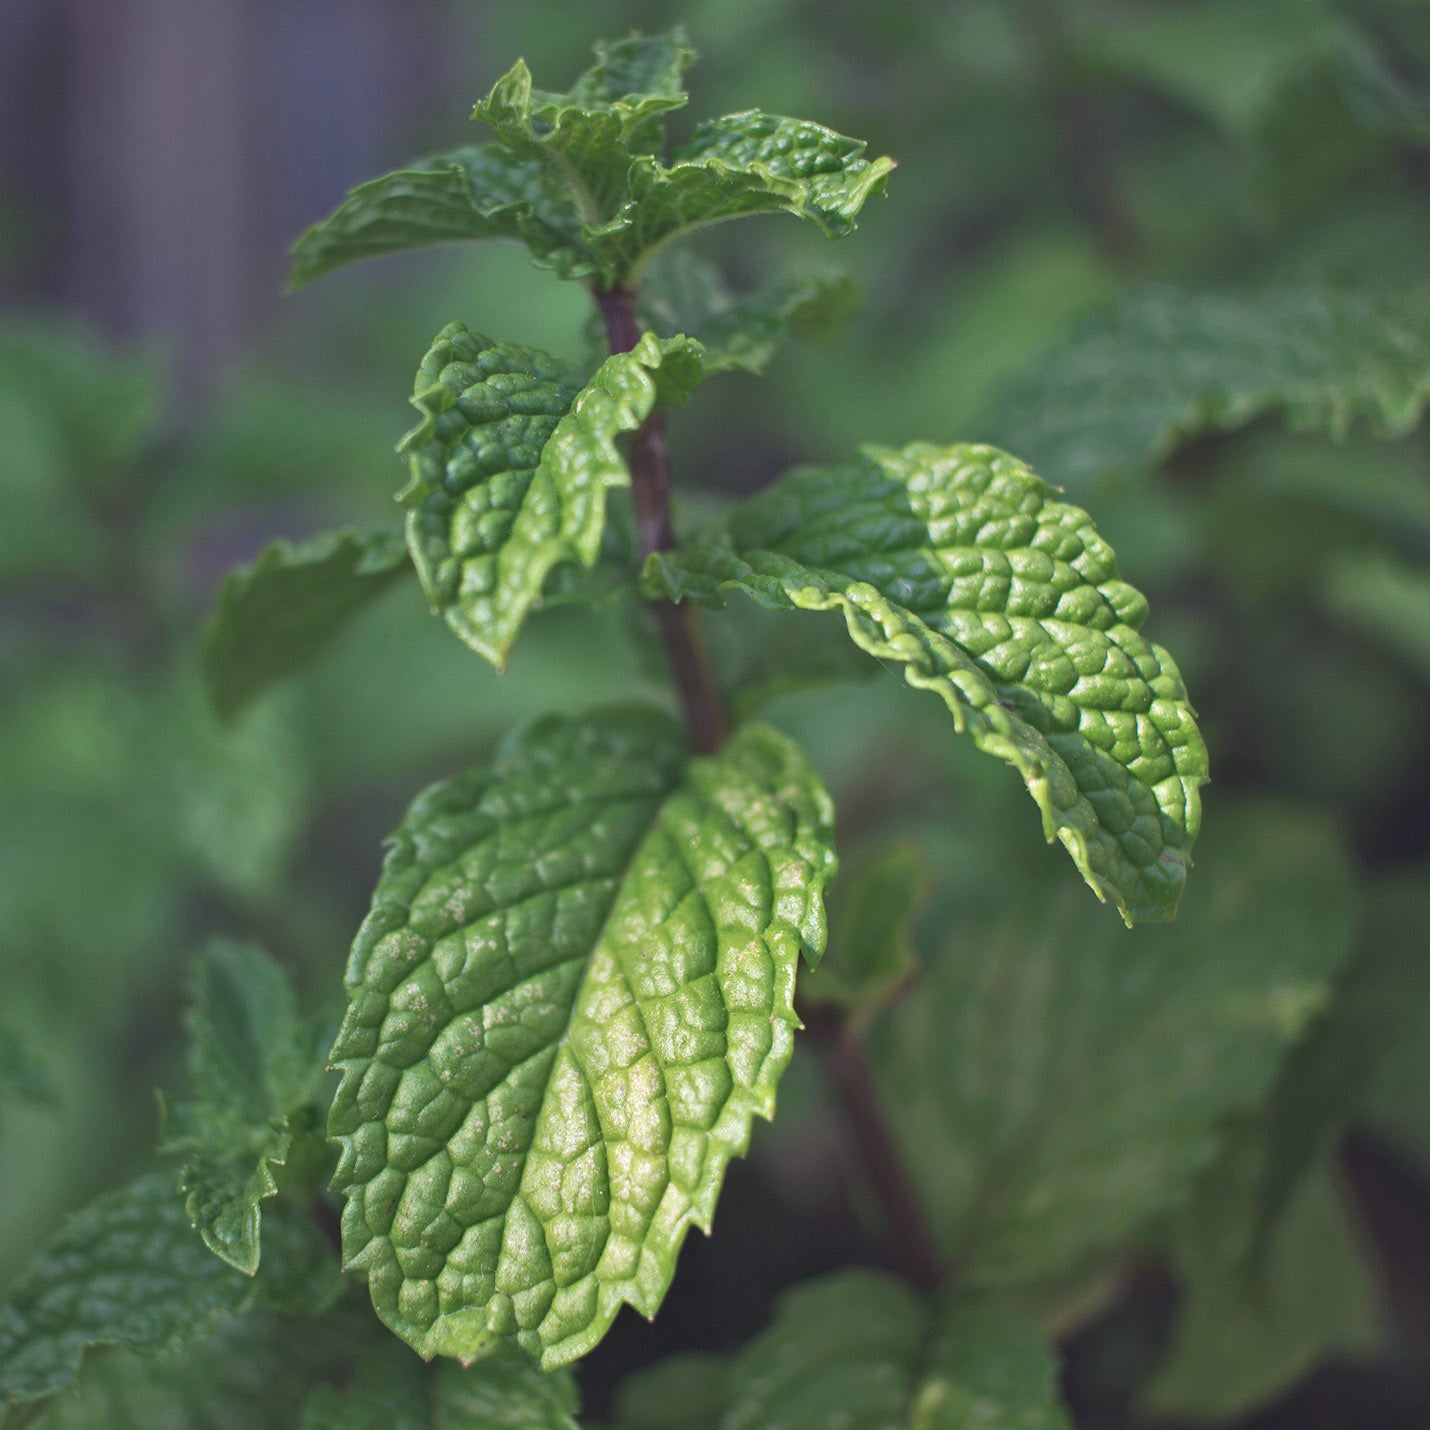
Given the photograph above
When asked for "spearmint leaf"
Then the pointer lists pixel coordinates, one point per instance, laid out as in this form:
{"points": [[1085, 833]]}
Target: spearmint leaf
{"points": [[1053, 1089], [958, 564], [860, 1349], [871, 950], [733, 167], [682, 294], [276, 614], [255, 1069], [477, 192], [1249, 1326], [511, 465], [126, 1271], [572, 995], [1125, 390]]}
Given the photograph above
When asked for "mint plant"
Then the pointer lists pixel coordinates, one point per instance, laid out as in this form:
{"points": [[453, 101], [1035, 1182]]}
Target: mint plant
{"points": [[579, 982]]}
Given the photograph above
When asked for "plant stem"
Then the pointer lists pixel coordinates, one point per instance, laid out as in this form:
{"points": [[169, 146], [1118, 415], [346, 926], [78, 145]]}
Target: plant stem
{"points": [[679, 625], [910, 1240]]}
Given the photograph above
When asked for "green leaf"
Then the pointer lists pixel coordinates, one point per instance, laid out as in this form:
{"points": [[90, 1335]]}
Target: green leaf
{"points": [[1128, 388], [859, 1348], [733, 167], [22, 1074], [1054, 1089], [127, 1271], [682, 294], [273, 616], [393, 1390], [1386, 600], [256, 1071], [1250, 1326], [958, 564], [571, 997], [470, 193], [871, 951], [681, 1392], [510, 469]]}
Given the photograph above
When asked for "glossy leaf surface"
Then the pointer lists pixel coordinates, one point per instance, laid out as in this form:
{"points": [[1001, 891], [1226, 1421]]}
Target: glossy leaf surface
{"points": [[510, 469], [959, 564], [1165, 365], [1055, 1086], [276, 614], [572, 995]]}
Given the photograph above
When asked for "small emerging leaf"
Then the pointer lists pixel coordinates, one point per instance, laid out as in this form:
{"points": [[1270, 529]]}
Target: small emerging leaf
{"points": [[859, 1348], [958, 564], [1124, 391], [273, 616], [511, 465], [572, 995], [256, 1070]]}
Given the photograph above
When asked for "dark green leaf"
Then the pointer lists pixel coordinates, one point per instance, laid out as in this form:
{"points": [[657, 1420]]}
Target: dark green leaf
{"points": [[1127, 389], [1249, 1326], [470, 193], [573, 994], [860, 1349], [127, 1271], [510, 469], [1054, 1088], [1387, 601], [681, 1392], [256, 1070], [682, 294], [958, 564], [275, 615]]}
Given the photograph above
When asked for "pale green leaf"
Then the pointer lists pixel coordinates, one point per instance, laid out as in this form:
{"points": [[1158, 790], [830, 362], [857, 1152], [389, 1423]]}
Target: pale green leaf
{"points": [[682, 294], [572, 995], [256, 1071], [1128, 388], [470, 193], [127, 1271], [871, 951], [859, 1349], [1250, 1325], [273, 616], [958, 564], [1055, 1088], [510, 469]]}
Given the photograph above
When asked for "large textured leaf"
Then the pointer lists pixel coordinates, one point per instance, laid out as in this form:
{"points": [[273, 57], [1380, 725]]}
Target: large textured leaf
{"points": [[470, 193], [571, 997], [1251, 1324], [274, 615], [256, 1071], [128, 1271], [1054, 1088], [859, 1349], [958, 564], [682, 294], [511, 465], [1167, 364]]}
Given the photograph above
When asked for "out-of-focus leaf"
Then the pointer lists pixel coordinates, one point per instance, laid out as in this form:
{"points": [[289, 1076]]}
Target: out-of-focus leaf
{"points": [[956, 564], [1250, 1324], [681, 1392], [22, 1074], [276, 614], [572, 996], [1385, 600], [1055, 1086], [254, 1068], [859, 1348], [1166, 364]]}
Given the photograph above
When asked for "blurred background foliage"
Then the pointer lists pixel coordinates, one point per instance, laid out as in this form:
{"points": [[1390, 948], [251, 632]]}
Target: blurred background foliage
{"points": [[1205, 180]]}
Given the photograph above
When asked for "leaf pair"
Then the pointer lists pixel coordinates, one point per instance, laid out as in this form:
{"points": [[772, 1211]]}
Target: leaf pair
{"points": [[579, 178]]}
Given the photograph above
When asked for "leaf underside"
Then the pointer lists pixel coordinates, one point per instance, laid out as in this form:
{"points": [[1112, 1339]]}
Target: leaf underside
{"points": [[510, 467], [573, 993], [1127, 389], [960, 565]]}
